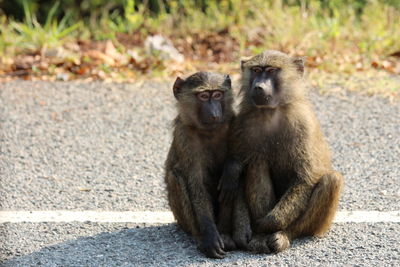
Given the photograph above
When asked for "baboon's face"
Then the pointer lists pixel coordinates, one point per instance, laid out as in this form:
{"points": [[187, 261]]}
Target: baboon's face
{"points": [[210, 106], [270, 79], [204, 99], [265, 86]]}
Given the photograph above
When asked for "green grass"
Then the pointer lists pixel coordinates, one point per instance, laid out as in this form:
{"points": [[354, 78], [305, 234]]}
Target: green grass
{"points": [[30, 35]]}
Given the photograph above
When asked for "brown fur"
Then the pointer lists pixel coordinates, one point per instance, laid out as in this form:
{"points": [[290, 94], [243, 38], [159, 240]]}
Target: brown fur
{"points": [[291, 188], [194, 166]]}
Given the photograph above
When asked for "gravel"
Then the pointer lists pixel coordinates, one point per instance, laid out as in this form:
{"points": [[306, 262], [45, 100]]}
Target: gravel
{"points": [[84, 146], [102, 146]]}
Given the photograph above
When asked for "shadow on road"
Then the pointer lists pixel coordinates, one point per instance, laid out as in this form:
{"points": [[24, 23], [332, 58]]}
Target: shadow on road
{"points": [[155, 245], [148, 246]]}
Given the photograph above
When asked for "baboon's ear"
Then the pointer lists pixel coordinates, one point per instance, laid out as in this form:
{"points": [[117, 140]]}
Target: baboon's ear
{"points": [[227, 82], [242, 62], [299, 63], [178, 86]]}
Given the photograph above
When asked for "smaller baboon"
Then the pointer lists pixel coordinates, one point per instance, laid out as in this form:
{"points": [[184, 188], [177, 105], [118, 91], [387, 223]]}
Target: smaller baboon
{"points": [[195, 162], [276, 144]]}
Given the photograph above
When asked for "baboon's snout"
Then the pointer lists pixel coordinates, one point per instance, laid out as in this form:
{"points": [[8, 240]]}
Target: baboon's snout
{"points": [[263, 93]]}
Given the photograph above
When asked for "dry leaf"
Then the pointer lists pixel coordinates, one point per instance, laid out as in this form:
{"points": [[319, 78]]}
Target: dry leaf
{"points": [[99, 56]]}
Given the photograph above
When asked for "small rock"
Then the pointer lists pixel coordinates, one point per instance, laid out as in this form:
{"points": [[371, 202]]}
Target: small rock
{"points": [[62, 77], [58, 52], [158, 44]]}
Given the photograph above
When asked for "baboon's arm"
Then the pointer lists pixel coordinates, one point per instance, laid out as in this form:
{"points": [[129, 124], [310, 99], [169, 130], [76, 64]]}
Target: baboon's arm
{"points": [[200, 199], [210, 241], [292, 204], [202, 205], [229, 183]]}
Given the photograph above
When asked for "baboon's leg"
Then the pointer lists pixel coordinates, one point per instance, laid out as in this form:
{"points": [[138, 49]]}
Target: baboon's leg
{"points": [[318, 216], [288, 209], [259, 191], [179, 202], [241, 232], [260, 199], [321, 208], [225, 218], [224, 225]]}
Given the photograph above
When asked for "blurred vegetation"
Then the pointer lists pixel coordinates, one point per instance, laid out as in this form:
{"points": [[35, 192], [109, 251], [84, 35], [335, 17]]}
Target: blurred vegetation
{"points": [[336, 36]]}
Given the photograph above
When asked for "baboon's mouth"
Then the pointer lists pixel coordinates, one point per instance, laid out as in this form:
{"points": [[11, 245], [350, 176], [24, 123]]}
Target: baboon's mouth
{"points": [[213, 123], [212, 126], [267, 102]]}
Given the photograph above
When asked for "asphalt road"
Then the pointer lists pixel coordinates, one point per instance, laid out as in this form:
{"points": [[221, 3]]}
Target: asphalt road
{"points": [[101, 146]]}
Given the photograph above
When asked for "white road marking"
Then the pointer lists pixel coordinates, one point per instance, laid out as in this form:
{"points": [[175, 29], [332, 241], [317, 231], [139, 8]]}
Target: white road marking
{"points": [[364, 216], [58, 216], [89, 215]]}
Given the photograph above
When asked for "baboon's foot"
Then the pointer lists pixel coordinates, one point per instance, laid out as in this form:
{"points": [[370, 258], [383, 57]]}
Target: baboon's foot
{"points": [[242, 237], [229, 244], [278, 242], [259, 244]]}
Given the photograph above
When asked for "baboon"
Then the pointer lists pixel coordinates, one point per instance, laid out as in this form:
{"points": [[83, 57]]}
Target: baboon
{"points": [[276, 144], [196, 159]]}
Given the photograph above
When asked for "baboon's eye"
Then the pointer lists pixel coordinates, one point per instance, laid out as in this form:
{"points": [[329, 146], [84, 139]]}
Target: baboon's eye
{"points": [[256, 69], [271, 69], [203, 96], [217, 95]]}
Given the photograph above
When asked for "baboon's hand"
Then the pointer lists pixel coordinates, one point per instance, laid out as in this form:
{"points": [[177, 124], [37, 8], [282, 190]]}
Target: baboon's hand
{"points": [[228, 188], [212, 246], [269, 224], [242, 236]]}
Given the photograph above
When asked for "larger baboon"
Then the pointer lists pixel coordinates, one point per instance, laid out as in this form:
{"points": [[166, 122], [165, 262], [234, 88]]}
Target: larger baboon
{"points": [[291, 188], [196, 159]]}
